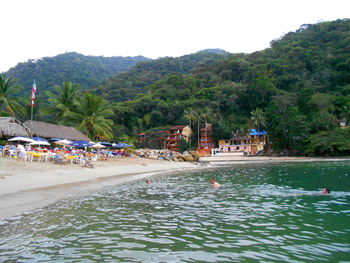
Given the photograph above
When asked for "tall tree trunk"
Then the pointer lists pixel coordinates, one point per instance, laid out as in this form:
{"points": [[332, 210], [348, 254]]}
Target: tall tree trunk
{"points": [[198, 136]]}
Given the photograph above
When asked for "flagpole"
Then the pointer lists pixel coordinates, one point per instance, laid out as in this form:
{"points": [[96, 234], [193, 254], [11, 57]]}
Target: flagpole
{"points": [[31, 108], [31, 121]]}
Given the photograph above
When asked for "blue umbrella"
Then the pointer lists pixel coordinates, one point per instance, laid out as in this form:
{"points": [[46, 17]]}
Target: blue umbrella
{"points": [[122, 145], [39, 139], [81, 144], [55, 139]]}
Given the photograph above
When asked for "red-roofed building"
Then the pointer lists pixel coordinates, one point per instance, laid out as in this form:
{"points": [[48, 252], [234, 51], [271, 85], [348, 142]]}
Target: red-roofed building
{"points": [[178, 133]]}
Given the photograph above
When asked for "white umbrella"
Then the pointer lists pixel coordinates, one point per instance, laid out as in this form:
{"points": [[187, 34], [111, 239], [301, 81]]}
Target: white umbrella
{"points": [[63, 142], [39, 143], [98, 145], [21, 138]]}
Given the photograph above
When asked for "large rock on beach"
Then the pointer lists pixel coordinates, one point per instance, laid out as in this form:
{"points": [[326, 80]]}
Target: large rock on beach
{"points": [[167, 155], [195, 155], [188, 158]]}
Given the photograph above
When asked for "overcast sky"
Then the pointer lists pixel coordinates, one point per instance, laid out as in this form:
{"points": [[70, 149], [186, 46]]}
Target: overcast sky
{"points": [[152, 28]]}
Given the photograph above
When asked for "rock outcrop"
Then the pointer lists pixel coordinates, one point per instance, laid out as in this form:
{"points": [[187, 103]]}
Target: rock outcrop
{"points": [[167, 155]]}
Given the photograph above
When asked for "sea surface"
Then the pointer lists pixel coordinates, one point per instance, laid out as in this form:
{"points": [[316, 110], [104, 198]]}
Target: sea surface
{"points": [[262, 213]]}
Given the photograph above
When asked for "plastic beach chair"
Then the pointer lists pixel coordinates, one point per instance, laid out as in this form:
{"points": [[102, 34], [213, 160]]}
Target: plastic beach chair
{"points": [[58, 160]]}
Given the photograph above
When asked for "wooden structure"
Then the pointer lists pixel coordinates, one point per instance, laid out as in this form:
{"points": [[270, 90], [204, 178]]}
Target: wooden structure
{"points": [[176, 134]]}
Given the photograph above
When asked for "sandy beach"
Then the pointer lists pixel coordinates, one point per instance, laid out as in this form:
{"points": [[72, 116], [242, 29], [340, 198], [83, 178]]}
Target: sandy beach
{"points": [[24, 187]]}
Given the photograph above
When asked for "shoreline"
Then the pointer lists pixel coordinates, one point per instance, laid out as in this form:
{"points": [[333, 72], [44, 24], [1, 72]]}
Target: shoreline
{"points": [[25, 188]]}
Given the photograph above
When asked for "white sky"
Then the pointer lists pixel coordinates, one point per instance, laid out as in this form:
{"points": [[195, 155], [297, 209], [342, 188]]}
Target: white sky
{"points": [[152, 28]]}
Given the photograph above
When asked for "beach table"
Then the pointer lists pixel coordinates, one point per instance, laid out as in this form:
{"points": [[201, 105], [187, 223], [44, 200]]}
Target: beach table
{"points": [[33, 155]]}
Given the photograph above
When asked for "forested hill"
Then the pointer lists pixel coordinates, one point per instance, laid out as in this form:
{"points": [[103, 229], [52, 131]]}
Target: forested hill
{"points": [[298, 89], [126, 85], [88, 71]]}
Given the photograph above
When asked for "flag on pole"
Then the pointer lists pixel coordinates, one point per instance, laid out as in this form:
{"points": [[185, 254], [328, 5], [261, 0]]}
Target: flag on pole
{"points": [[33, 93], [34, 87]]}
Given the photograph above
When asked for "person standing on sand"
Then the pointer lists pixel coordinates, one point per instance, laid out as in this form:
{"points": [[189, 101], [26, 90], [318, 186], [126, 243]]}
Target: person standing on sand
{"points": [[21, 153], [215, 184]]}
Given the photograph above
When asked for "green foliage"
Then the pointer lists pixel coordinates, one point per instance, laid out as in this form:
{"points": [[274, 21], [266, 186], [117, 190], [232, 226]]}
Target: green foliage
{"points": [[87, 71], [258, 118], [90, 117], [332, 142], [62, 101], [9, 101], [126, 85], [183, 145]]}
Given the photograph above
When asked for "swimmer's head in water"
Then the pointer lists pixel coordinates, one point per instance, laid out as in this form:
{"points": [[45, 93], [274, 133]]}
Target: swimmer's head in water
{"points": [[212, 181], [327, 190]]}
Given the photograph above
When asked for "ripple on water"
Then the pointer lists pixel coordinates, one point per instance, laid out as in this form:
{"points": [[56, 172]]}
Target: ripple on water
{"points": [[180, 218]]}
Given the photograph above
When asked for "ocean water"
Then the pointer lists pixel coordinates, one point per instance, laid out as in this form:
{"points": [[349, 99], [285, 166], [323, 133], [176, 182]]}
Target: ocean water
{"points": [[262, 212]]}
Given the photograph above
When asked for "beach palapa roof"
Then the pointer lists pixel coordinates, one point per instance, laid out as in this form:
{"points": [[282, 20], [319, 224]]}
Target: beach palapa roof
{"points": [[10, 127], [49, 130]]}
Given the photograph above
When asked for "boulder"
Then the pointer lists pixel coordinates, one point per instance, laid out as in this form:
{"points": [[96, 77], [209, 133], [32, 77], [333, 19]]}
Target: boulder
{"points": [[153, 157], [195, 155], [188, 158]]}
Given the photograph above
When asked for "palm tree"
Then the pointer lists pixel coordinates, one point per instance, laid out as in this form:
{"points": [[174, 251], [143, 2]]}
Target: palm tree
{"points": [[62, 101], [89, 116], [198, 118], [8, 99], [129, 139], [206, 114], [258, 118], [189, 114], [27, 106]]}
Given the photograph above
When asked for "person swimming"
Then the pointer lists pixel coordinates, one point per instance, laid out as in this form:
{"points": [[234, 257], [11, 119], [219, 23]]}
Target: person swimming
{"points": [[215, 184], [148, 182], [326, 190]]}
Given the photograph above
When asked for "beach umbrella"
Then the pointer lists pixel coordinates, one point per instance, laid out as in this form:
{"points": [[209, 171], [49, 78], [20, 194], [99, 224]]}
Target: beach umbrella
{"points": [[39, 143], [122, 145], [81, 144], [107, 144], [98, 146], [37, 139], [55, 139], [63, 142], [20, 138]]}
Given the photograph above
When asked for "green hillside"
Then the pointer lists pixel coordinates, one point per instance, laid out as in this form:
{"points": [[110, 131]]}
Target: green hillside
{"points": [[301, 84], [298, 90], [126, 85], [88, 71]]}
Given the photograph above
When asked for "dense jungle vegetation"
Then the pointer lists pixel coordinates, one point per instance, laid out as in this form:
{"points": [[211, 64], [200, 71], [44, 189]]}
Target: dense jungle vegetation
{"points": [[88, 71], [298, 90]]}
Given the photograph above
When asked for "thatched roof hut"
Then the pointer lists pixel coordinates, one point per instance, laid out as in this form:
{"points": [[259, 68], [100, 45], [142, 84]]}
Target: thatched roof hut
{"points": [[10, 127], [49, 130]]}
